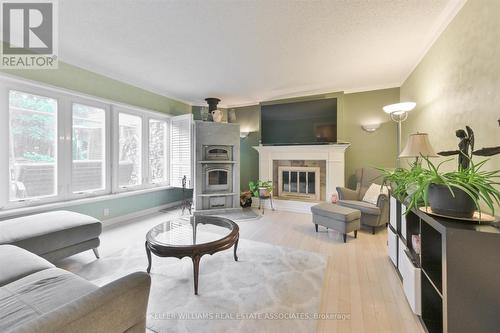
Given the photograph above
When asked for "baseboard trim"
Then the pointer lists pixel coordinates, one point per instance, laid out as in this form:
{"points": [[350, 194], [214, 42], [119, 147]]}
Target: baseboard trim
{"points": [[122, 218]]}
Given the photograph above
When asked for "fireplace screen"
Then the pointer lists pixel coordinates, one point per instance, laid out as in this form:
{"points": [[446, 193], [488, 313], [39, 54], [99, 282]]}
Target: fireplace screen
{"points": [[217, 177], [299, 182]]}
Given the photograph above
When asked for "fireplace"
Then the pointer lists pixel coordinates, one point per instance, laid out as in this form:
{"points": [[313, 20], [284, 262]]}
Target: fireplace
{"points": [[299, 183], [217, 156], [329, 158], [217, 178], [217, 153]]}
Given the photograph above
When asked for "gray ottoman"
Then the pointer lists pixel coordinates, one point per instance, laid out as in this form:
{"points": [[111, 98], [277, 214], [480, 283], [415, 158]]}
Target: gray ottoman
{"points": [[53, 235], [339, 218]]}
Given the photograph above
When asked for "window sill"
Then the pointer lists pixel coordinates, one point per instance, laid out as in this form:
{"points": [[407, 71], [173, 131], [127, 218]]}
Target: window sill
{"points": [[15, 212]]}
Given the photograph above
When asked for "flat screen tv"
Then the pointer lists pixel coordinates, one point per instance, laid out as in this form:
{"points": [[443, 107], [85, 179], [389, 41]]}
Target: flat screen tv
{"points": [[307, 122]]}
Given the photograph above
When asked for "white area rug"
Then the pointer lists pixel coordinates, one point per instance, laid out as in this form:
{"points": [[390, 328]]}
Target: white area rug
{"points": [[246, 214], [255, 294]]}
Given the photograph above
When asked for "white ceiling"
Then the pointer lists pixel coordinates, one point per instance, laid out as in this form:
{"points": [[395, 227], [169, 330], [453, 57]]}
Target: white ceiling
{"points": [[250, 51]]}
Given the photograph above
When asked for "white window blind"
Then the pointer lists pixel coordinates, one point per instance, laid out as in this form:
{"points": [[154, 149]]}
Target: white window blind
{"points": [[181, 150]]}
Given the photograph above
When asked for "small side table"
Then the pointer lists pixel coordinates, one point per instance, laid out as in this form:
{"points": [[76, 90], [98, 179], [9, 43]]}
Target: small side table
{"points": [[261, 200]]}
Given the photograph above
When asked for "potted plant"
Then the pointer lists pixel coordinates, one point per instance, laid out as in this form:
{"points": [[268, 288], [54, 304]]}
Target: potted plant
{"points": [[455, 194], [261, 189], [246, 199]]}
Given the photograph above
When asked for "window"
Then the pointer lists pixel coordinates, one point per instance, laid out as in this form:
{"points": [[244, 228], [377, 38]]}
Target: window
{"points": [[158, 172], [56, 146], [130, 152], [88, 148], [32, 146]]}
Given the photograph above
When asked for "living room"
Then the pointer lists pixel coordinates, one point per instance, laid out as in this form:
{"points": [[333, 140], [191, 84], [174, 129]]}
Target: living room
{"points": [[250, 166]]}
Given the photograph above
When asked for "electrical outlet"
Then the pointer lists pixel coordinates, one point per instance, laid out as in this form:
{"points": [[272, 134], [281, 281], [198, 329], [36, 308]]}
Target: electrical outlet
{"points": [[105, 212]]}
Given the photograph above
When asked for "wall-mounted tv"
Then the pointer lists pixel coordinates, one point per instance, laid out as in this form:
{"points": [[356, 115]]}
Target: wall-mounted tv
{"points": [[305, 122]]}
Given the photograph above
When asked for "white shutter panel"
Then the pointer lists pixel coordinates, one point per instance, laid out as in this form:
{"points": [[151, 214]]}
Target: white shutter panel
{"points": [[181, 150]]}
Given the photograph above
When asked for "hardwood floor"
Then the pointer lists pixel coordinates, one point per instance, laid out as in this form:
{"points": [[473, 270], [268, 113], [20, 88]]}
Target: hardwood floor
{"points": [[359, 281]]}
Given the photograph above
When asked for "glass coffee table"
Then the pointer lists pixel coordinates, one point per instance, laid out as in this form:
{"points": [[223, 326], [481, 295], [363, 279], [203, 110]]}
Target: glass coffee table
{"points": [[192, 236]]}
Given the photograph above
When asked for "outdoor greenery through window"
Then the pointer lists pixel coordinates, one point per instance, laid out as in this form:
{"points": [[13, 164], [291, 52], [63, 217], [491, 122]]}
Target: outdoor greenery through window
{"points": [[32, 146], [157, 151], [130, 141], [88, 148], [56, 145]]}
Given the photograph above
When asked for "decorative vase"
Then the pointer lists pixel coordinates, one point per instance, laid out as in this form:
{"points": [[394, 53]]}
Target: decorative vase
{"points": [[217, 115], [444, 203]]}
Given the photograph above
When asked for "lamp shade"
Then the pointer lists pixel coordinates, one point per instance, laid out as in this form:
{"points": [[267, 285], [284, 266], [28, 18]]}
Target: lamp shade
{"points": [[399, 107], [418, 145]]}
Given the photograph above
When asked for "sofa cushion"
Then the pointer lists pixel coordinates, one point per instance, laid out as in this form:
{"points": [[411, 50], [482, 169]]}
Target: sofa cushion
{"points": [[335, 212], [364, 207], [18, 263], [34, 295], [46, 232]]}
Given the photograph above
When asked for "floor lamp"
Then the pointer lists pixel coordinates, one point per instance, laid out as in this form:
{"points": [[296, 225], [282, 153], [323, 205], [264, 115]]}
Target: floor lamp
{"points": [[399, 113]]}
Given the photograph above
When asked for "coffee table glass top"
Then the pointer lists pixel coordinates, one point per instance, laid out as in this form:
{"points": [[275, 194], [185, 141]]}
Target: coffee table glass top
{"points": [[190, 231]]}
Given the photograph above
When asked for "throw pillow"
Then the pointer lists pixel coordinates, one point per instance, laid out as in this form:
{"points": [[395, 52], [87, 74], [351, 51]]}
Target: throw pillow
{"points": [[373, 192]]}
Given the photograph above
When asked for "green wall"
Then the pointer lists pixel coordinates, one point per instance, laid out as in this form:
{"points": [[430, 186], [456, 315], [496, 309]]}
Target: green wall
{"points": [[83, 81], [367, 149], [127, 205], [249, 119], [457, 83]]}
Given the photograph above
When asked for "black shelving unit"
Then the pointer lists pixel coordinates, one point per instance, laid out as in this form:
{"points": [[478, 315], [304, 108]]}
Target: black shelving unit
{"points": [[432, 307], [460, 274], [412, 229], [459, 264]]}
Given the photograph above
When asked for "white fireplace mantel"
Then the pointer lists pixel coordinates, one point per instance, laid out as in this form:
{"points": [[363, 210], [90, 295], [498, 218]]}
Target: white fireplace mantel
{"points": [[333, 154]]}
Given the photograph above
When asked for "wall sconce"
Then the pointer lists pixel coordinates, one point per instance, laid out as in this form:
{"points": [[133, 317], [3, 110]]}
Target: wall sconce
{"points": [[244, 134], [370, 127]]}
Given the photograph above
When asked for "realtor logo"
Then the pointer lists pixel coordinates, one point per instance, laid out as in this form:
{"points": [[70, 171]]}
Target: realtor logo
{"points": [[29, 34]]}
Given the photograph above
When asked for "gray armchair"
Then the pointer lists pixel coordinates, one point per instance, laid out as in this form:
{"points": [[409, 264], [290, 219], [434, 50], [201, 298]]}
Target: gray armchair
{"points": [[371, 215]]}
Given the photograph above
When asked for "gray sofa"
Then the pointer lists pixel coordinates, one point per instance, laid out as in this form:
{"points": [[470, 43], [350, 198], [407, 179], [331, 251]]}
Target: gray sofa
{"points": [[372, 215], [36, 296], [53, 235]]}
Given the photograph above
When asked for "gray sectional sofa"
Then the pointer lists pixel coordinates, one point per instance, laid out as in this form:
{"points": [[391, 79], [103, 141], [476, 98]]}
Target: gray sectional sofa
{"points": [[36, 296], [53, 235]]}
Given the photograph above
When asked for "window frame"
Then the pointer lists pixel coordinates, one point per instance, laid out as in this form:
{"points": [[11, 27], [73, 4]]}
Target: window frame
{"points": [[65, 100], [117, 188], [107, 148], [167, 155], [60, 173]]}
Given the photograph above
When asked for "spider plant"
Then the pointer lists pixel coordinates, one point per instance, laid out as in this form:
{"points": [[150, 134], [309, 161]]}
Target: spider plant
{"points": [[413, 185]]}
